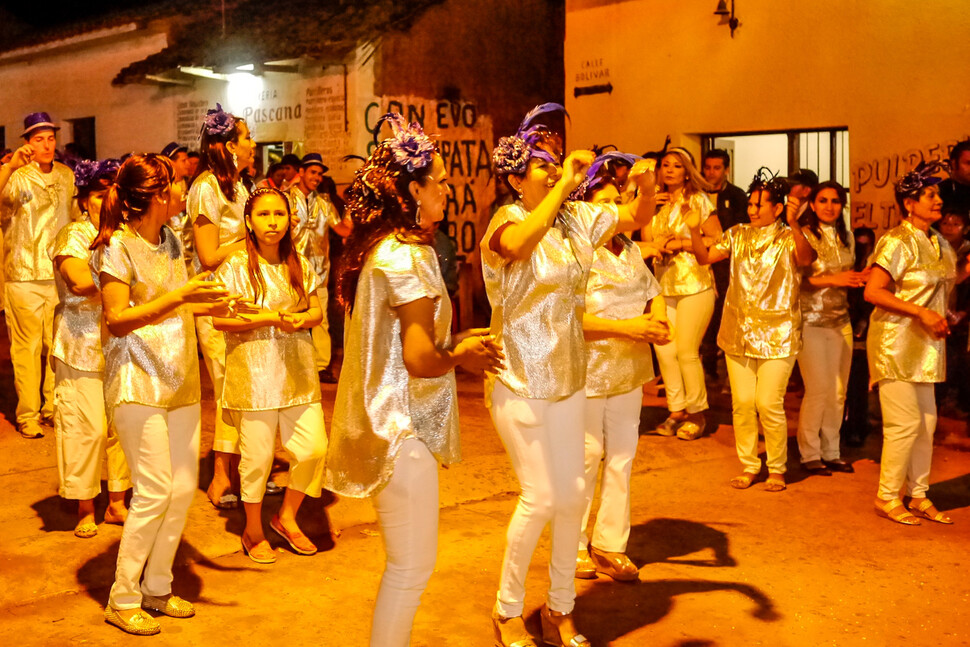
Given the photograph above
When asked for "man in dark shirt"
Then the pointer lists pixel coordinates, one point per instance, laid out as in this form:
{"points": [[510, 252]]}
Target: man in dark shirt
{"points": [[731, 207], [956, 190]]}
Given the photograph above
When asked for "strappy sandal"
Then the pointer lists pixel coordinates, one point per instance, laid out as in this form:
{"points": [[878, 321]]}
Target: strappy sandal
{"points": [[744, 481], [667, 428], [894, 510], [553, 624], [775, 483], [510, 632], [691, 430], [927, 510]]}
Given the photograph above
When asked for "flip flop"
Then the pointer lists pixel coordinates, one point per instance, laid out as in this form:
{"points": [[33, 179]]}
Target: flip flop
{"points": [[226, 502], [86, 530]]}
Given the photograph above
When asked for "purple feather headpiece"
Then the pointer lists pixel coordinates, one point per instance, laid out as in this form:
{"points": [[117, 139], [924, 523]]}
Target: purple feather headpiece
{"points": [[86, 172], [411, 147], [217, 122], [513, 153], [594, 177], [919, 178]]}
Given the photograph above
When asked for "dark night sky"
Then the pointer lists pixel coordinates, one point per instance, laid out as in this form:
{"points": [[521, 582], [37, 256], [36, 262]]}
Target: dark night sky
{"points": [[64, 11]]}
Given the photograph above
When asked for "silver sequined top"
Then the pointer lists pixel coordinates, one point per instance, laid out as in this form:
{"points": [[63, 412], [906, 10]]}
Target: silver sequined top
{"points": [[923, 269], [34, 206], [379, 404], [316, 216], [268, 368], [762, 316], [156, 365], [827, 307], [207, 199], [77, 319], [619, 287], [538, 302], [680, 274]]}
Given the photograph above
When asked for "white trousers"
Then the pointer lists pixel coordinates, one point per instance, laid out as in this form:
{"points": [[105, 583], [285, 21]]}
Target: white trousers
{"points": [[908, 425], [82, 436], [758, 391], [824, 362], [680, 361], [321, 334], [30, 325], [225, 435], [612, 432], [162, 449], [407, 511], [545, 443], [303, 436]]}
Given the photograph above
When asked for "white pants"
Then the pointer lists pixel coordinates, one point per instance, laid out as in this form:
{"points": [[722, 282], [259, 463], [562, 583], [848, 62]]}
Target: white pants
{"points": [[162, 448], [321, 333], [303, 436], [908, 424], [82, 436], [758, 391], [680, 361], [30, 325], [612, 432], [824, 362], [407, 511], [545, 443], [213, 343]]}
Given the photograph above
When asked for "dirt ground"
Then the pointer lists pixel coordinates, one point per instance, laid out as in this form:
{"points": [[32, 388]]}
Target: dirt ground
{"points": [[809, 566]]}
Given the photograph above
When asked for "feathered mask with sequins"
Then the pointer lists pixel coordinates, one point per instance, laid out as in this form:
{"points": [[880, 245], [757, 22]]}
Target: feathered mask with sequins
{"points": [[594, 176], [86, 172], [924, 175], [765, 180], [513, 153], [411, 147], [217, 122]]}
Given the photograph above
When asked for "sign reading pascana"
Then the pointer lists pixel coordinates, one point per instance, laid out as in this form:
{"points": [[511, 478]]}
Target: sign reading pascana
{"points": [[272, 108]]}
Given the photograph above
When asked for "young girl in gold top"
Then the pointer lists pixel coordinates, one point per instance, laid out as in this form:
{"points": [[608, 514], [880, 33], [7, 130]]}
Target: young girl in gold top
{"points": [[270, 377], [761, 325]]}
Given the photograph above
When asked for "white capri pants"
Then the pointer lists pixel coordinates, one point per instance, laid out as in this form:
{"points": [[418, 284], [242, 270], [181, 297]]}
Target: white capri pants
{"points": [[680, 361], [612, 432], [320, 334], [213, 343], [407, 511], [758, 391], [303, 436], [30, 326], [824, 362], [162, 448], [83, 437], [908, 425], [545, 443]]}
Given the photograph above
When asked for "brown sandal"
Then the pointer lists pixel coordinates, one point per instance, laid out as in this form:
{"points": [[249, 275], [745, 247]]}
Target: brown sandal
{"points": [[923, 507], [776, 483], [894, 510]]}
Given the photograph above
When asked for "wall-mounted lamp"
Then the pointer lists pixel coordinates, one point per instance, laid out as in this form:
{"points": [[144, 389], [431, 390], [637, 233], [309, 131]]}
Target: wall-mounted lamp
{"points": [[727, 17]]}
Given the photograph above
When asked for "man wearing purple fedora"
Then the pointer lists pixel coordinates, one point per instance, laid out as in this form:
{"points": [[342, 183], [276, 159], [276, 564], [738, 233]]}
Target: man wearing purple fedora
{"points": [[35, 203], [316, 215]]}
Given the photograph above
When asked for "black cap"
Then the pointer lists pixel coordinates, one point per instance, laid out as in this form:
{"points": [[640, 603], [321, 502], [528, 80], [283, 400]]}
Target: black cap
{"points": [[805, 177], [290, 160]]}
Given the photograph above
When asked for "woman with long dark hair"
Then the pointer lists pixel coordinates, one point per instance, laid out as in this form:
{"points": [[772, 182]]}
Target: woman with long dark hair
{"points": [[396, 414], [826, 355], [536, 256], [270, 376], [215, 207], [151, 387]]}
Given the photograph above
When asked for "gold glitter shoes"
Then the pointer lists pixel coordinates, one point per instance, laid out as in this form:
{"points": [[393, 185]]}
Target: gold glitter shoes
{"points": [[510, 632], [615, 565], [585, 568], [138, 624], [173, 606], [558, 629]]}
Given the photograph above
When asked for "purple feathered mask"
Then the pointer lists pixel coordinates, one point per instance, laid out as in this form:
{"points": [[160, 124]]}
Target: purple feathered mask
{"points": [[593, 176], [411, 147], [924, 175], [86, 172], [218, 122], [513, 153]]}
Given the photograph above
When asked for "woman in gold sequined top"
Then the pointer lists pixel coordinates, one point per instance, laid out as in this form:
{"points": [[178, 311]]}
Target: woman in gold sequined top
{"points": [[536, 256], [396, 415], [826, 330], [913, 271]]}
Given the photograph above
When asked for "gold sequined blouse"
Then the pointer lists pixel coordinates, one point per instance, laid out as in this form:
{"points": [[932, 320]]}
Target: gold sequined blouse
{"points": [[156, 365], [762, 315], [77, 319], [538, 302], [379, 404], [923, 269], [316, 215], [827, 307], [680, 274], [207, 199], [34, 206], [268, 368], [619, 287]]}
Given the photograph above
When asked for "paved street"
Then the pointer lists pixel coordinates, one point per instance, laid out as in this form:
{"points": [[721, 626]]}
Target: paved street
{"points": [[809, 566]]}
